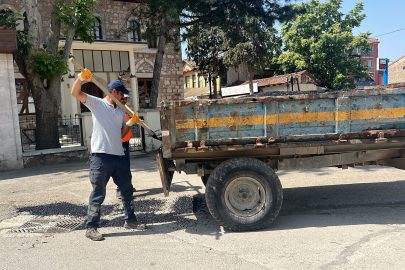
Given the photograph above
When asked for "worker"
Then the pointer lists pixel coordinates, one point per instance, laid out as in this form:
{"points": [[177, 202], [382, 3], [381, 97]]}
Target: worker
{"points": [[108, 158]]}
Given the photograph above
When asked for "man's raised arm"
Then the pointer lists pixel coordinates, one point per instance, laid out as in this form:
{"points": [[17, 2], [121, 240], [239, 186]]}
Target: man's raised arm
{"points": [[77, 86]]}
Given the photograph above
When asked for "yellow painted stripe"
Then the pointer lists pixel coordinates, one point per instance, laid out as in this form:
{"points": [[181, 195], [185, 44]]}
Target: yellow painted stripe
{"points": [[290, 118], [378, 113]]}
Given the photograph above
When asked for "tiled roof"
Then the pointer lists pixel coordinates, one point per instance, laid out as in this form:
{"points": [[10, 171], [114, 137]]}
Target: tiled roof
{"points": [[190, 63], [391, 63], [280, 79]]}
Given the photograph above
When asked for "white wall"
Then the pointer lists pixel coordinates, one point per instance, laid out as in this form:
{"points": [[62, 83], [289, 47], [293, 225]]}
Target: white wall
{"points": [[281, 87], [10, 140]]}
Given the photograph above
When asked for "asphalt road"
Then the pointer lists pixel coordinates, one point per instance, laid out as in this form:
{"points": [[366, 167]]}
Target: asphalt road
{"points": [[330, 219]]}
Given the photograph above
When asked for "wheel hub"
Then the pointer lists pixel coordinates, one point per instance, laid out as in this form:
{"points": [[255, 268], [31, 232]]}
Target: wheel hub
{"points": [[244, 196]]}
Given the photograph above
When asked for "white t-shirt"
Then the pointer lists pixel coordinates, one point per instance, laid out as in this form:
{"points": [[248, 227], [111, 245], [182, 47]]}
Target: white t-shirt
{"points": [[107, 124]]}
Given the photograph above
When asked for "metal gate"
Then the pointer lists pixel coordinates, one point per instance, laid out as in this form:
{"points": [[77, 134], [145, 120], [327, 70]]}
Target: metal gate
{"points": [[136, 143]]}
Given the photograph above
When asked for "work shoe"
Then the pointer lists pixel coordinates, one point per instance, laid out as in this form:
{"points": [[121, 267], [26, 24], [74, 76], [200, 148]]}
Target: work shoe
{"points": [[94, 235], [134, 225]]}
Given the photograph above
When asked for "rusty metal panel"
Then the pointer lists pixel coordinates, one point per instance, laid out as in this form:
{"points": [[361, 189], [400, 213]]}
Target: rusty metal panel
{"points": [[337, 159], [382, 111], [342, 115], [306, 117], [262, 121], [316, 150], [166, 176]]}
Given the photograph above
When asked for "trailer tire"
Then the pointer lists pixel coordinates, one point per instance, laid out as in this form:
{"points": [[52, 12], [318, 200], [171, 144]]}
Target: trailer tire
{"points": [[244, 194]]}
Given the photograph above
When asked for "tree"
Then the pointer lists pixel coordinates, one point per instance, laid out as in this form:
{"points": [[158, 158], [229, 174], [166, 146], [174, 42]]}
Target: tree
{"points": [[43, 66], [254, 45], [163, 19], [206, 47], [321, 41], [245, 35]]}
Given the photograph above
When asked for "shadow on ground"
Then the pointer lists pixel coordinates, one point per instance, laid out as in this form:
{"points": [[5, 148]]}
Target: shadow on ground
{"points": [[190, 213]]}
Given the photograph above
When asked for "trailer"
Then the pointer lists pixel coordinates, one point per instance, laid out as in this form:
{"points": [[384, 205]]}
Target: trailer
{"points": [[237, 145]]}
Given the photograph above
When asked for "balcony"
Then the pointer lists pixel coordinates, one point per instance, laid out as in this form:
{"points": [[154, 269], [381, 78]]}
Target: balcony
{"points": [[370, 54]]}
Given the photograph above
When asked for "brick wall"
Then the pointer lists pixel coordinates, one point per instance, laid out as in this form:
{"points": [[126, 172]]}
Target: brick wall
{"points": [[396, 71]]}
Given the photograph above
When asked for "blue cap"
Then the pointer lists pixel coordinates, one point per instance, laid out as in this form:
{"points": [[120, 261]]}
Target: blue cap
{"points": [[118, 85]]}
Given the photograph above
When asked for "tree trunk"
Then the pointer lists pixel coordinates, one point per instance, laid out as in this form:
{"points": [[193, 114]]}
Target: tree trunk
{"points": [[47, 134], [157, 67], [214, 82], [250, 77], [47, 102]]}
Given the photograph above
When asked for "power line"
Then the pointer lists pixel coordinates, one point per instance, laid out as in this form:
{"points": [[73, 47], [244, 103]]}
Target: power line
{"points": [[390, 32]]}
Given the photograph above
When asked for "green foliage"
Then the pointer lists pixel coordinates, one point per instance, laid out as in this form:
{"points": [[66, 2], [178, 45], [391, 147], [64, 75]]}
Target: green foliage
{"points": [[10, 19], [77, 14], [205, 45], [47, 65], [321, 41], [244, 35], [253, 43], [23, 42]]}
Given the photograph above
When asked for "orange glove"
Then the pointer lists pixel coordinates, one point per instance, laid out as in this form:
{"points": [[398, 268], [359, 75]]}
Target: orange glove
{"points": [[85, 75], [133, 120]]}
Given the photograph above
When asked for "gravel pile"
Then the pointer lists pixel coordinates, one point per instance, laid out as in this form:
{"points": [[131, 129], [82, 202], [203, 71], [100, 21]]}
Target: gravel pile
{"points": [[150, 211]]}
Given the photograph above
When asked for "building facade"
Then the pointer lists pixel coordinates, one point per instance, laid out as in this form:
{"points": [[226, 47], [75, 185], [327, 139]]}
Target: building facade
{"points": [[396, 71], [300, 81], [118, 52], [370, 61], [114, 54]]}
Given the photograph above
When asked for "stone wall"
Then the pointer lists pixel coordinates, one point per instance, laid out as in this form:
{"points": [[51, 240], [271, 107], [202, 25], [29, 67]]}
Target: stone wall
{"points": [[10, 141], [396, 71], [55, 156]]}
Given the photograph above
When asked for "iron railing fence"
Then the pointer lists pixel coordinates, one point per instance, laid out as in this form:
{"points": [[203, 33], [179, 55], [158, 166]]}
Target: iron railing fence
{"points": [[70, 132], [136, 142]]}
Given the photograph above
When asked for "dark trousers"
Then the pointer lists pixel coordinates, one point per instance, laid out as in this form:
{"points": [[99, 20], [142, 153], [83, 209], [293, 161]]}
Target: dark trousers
{"points": [[102, 167], [125, 145]]}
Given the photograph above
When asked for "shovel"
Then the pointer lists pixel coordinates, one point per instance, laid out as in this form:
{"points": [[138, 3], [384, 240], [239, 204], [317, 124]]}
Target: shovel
{"points": [[124, 107]]}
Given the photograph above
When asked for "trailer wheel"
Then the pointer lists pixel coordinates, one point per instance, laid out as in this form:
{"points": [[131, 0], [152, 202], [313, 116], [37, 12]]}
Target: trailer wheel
{"points": [[244, 194]]}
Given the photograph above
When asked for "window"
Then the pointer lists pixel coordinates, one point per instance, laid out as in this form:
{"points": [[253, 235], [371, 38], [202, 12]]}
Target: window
{"points": [[3, 16], [152, 42], [95, 29], [144, 88], [194, 82], [25, 102], [26, 25], [357, 51], [370, 63], [134, 31], [187, 81]]}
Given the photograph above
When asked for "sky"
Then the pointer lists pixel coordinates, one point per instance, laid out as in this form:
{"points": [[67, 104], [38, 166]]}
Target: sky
{"points": [[383, 19]]}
